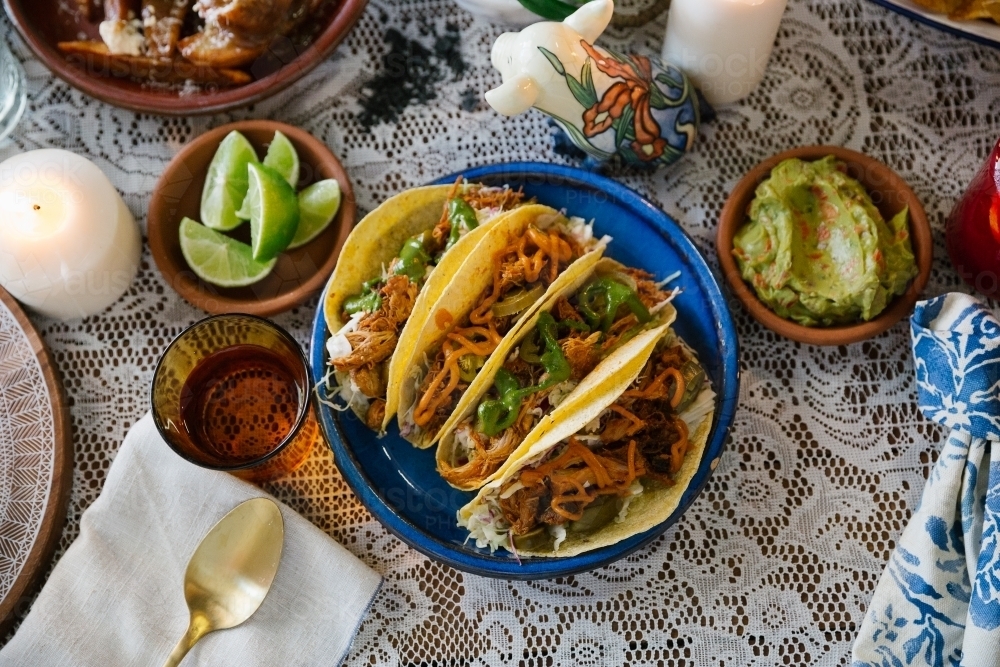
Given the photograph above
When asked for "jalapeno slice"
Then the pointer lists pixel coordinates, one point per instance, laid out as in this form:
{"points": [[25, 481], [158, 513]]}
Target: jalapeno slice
{"points": [[498, 414], [363, 303], [413, 258], [462, 218], [600, 300]]}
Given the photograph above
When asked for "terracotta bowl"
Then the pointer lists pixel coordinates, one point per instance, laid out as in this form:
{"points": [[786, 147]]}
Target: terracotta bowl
{"points": [[44, 23], [298, 274], [890, 194]]}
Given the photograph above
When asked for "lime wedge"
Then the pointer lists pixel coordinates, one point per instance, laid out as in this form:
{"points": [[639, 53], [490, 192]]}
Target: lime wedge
{"points": [[274, 212], [281, 157], [226, 182], [318, 204], [219, 259]]}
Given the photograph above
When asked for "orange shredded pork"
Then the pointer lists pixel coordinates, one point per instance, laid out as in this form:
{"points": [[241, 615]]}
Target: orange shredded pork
{"points": [[641, 437]]}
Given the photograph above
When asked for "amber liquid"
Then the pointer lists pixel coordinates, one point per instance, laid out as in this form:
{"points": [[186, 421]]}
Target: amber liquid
{"points": [[240, 403]]}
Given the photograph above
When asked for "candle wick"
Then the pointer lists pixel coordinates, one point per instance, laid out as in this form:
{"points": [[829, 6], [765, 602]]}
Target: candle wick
{"points": [[36, 207]]}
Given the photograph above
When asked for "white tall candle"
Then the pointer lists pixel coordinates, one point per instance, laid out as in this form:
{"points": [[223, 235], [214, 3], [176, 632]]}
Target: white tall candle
{"points": [[69, 247], [723, 45]]}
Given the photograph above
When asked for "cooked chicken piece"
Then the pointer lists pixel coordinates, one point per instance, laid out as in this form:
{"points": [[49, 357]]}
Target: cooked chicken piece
{"points": [[521, 509], [237, 32], [162, 21], [375, 414], [583, 352], [369, 380], [378, 332], [97, 57]]}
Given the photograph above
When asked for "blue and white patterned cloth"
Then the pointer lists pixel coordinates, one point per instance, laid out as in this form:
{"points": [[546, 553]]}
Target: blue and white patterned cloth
{"points": [[938, 601]]}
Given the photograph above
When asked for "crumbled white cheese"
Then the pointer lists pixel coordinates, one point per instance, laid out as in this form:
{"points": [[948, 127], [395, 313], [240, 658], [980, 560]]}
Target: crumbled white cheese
{"points": [[123, 37]]}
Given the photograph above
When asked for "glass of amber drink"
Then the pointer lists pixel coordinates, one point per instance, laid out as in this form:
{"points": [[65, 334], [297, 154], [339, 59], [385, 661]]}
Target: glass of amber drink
{"points": [[232, 393]]}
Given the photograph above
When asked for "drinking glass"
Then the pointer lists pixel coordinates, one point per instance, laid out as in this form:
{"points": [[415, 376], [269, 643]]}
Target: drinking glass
{"points": [[972, 232], [12, 94], [232, 393]]}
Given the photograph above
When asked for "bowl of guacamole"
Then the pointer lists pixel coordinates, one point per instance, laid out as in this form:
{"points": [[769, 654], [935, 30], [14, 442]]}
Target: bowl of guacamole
{"points": [[825, 245]]}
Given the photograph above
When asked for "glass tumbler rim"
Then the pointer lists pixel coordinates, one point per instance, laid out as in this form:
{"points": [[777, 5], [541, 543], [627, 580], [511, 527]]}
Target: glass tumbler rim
{"points": [[286, 441], [13, 114]]}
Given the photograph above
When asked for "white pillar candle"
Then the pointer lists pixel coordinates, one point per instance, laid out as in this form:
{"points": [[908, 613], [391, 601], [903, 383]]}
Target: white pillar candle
{"points": [[723, 45], [69, 247]]}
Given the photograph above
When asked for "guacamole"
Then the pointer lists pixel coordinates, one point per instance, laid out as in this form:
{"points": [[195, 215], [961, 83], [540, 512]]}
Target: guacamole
{"points": [[817, 251]]}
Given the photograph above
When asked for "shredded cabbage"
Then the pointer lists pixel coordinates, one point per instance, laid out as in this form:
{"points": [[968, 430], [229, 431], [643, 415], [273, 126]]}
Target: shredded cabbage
{"points": [[338, 345], [703, 404], [594, 425], [559, 392], [559, 533], [669, 279], [464, 441], [482, 527], [407, 426], [633, 490]]}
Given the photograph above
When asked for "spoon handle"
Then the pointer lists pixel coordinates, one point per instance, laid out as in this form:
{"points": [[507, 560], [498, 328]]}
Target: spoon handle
{"points": [[197, 629]]}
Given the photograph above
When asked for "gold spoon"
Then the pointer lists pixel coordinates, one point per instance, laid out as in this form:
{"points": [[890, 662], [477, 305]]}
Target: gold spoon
{"points": [[231, 571]]}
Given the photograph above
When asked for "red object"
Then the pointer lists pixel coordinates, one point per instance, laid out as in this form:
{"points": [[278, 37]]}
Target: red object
{"points": [[973, 230]]}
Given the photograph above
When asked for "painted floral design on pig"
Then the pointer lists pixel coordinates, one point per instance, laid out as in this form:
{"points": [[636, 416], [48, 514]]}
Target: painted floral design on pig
{"points": [[627, 107]]}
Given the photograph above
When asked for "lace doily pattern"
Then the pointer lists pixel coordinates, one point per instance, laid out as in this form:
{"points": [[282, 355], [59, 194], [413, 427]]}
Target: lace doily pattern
{"points": [[27, 449], [777, 559]]}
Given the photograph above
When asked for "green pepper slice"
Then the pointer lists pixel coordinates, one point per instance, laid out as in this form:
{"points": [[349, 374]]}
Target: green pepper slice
{"points": [[413, 259], [575, 324], [694, 378], [469, 365], [495, 415], [461, 217], [366, 302], [600, 300], [599, 513], [537, 539]]}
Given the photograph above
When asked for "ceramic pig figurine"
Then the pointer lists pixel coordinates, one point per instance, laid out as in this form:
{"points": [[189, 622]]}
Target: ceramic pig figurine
{"points": [[629, 107]]}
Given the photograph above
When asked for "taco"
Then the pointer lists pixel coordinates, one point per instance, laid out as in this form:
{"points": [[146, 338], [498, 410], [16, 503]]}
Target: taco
{"points": [[606, 469], [522, 260], [394, 266], [581, 328]]}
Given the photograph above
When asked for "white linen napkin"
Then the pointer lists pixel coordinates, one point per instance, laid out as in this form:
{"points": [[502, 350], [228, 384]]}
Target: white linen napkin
{"points": [[116, 597], [938, 601]]}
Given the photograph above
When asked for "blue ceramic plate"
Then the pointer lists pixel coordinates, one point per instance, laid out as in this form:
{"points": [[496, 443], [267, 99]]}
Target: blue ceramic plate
{"points": [[984, 32], [398, 483]]}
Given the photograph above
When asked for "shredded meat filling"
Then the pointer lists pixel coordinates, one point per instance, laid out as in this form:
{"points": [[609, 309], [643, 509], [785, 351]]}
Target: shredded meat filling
{"points": [[480, 199], [641, 437], [533, 257], [369, 380], [375, 414], [377, 334]]}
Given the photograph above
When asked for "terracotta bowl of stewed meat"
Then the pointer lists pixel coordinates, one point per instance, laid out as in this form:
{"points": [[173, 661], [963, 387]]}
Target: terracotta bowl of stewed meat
{"points": [[182, 57]]}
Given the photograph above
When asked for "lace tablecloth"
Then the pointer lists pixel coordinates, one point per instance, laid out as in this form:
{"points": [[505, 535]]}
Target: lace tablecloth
{"points": [[777, 559]]}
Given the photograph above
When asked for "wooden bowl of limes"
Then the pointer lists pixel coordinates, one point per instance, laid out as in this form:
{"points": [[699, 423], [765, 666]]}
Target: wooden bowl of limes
{"points": [[208, 256]]}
